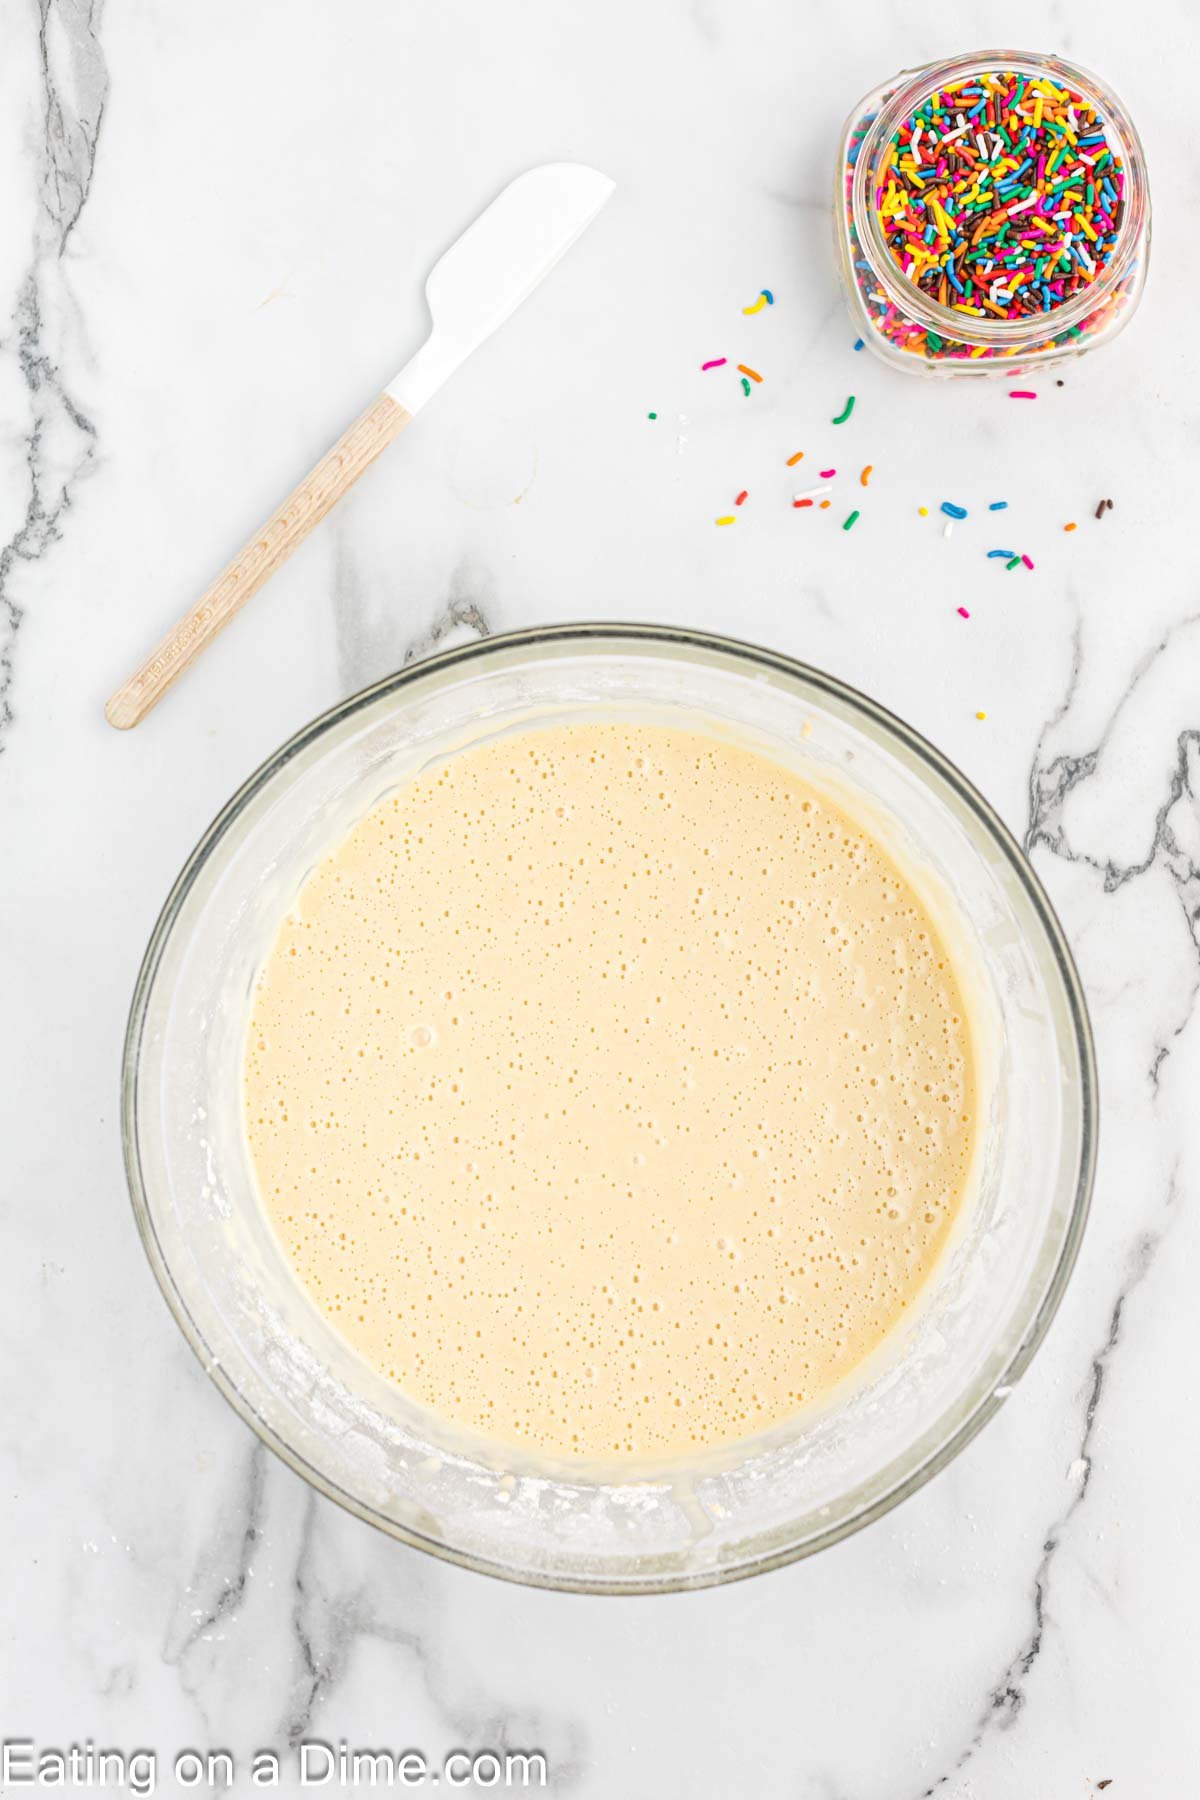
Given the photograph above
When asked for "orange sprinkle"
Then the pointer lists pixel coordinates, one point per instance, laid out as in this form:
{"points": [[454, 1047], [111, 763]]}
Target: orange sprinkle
{"points": [[752, 373], [866, 474], [1070, 527], [824, 504], [793, 460]]}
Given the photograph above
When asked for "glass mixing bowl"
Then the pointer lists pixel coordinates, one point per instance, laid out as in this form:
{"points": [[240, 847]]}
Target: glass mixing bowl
{"points": [[279, 1362]]}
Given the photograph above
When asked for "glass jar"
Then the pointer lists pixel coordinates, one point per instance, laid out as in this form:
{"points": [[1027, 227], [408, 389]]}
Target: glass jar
{"points": [[958, 330]]}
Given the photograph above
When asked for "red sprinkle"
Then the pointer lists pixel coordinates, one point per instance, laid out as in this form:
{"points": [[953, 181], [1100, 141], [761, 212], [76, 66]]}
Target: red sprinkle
{"points": [[963, 613], [1021, 394], [742, 496], [717, 363], [801, 502]]}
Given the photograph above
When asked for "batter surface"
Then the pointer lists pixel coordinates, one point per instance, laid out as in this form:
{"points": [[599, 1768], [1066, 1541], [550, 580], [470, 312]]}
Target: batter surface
{"points": [[611, 1090]]}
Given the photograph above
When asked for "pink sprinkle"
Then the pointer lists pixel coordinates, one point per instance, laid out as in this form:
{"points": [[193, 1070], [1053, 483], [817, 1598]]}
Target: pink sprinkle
{"points": [[826, 474], [963, 613], [718, 363], [1026, 561], [1021, 394]]}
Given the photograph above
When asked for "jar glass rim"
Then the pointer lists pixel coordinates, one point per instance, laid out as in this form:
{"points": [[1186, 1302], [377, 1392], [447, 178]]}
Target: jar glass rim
{"points": [[913, 86]]}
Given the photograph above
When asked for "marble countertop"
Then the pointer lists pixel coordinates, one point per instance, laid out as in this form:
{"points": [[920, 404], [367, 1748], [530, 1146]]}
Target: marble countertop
{"points": [[217, 221]]}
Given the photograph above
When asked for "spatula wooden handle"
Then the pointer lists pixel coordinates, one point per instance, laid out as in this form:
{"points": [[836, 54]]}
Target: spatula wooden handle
{"points": [[304, 507]]}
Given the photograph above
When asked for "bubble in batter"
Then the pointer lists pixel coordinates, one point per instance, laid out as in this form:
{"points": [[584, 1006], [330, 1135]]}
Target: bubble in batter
{"points": [[611, 1091]]}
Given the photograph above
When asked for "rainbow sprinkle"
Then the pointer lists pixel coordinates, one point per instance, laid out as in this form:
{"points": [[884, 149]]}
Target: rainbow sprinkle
{"points": [[847, 523], [793, 460], [866, 474], [953, 512], [1002, 196], [846, 411], [765, 298], [718, 362], [745, 387], [752, 373], [727, 519]]}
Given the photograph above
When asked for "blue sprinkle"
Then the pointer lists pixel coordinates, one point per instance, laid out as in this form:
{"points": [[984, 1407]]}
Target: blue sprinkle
{"points": [[998, 506], [859, 344], [1007, 554], [768, 296], [954, 512]]}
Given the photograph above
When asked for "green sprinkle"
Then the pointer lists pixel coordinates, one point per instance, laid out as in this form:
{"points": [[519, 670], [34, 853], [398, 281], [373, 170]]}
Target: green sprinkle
{"points": [[745, 386], [844, 415], [1013, 563], [652, 415], [847, 523]]}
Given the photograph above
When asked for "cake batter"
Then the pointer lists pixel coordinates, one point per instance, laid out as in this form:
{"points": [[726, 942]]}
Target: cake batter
{"points": [[611, 1090]]}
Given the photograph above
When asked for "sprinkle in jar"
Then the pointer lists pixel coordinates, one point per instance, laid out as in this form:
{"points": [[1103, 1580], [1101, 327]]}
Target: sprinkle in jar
{"points": [[992, 214]]}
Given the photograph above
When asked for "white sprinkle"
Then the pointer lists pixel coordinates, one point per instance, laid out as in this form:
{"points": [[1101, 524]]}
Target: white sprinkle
{"points": [[914, 145], [951, 135], [1021, 205], [813, 493], [981, 145], [948, 527]]}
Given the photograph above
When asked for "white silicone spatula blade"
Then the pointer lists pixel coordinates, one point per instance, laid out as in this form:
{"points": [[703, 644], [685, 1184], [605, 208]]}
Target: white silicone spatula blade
{"points": [[495, 264]]}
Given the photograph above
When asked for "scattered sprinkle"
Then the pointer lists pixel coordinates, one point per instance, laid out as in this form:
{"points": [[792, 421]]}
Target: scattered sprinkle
{"points": [[793, 460], [827, 474], [1104, 506], [1013, 563], [824, 504], [924, 511], [765, 298], [812, 493], [1021, 394], [998, 506], [652, 415], [1027, 560], [752, 373], [981, 715], [745, 386], [962, 612], [1004, 553], [1071, 527], [801, 502], [727, 519], [952, 511], [846, 411], [847, 523], [866, 474], [718, 362], [858, 345], [947, 528], [742, 496]]}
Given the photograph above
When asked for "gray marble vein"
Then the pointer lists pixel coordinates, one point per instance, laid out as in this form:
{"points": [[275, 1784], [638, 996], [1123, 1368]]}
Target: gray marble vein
{"points": [[1007, 1700], [60, 439]]}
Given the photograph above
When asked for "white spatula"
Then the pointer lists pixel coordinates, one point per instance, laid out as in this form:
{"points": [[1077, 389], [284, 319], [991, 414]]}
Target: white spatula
{"points": [[481, 279]]}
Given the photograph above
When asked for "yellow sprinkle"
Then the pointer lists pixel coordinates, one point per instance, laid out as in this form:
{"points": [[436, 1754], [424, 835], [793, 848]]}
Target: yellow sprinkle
{"points": [[981, 715], [757, 307], [924, 511], [729, 519]]}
